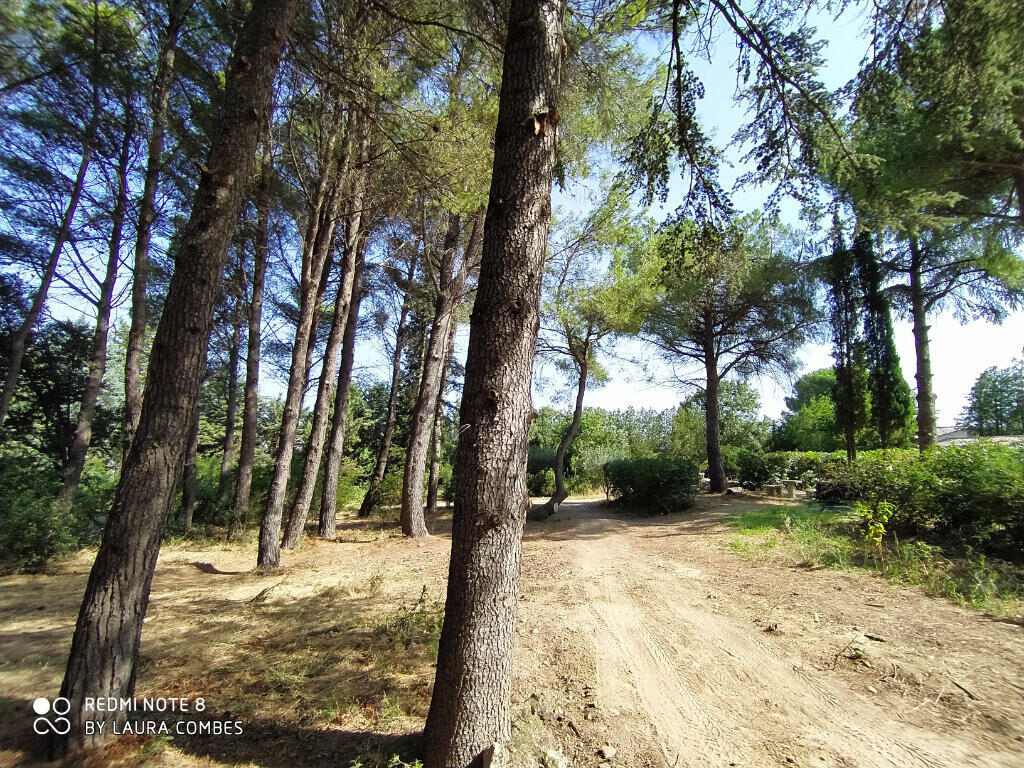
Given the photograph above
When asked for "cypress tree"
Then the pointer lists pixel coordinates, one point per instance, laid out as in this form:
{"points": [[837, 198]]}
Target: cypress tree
{"points": [[891, 399]]}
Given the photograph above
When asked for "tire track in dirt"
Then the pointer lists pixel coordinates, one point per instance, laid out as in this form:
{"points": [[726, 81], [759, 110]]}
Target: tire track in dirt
{"points": [[713, 690]]}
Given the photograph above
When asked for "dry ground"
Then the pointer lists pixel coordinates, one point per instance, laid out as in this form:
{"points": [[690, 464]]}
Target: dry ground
{"points": [[641, 642]]}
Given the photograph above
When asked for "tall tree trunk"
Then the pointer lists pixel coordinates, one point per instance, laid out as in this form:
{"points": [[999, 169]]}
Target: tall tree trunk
{"points": [[380, 464], [336, 441], [561, 494], [105, 646], [20, 340], [413, 523], [189, 476], [712, 419], [98, 357], [228, 455], [469, 711], [922, 349], [176, 11], [319, 240], [329, 367], [251, 407], [436, 435]]}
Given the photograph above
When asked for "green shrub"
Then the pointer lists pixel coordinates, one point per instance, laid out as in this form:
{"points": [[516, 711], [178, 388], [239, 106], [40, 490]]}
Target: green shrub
{"points": [[541, 483], [974, 492], [389, 492], [754, 470], [980, 492], [445, 481], [731, 460], [30, 531], [539, 458], [662, 484]]}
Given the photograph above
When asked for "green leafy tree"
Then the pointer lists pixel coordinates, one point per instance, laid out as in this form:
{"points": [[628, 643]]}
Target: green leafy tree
{"points": [[581, 312], [891, 399], [850, 382], [995, 405], [737, 302]]}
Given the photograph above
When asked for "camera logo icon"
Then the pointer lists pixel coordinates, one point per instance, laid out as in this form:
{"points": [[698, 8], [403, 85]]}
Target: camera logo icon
{"points": [[59, 724]]}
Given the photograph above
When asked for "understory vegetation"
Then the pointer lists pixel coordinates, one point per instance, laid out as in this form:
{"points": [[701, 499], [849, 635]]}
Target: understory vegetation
{"points": [[811, 535]]}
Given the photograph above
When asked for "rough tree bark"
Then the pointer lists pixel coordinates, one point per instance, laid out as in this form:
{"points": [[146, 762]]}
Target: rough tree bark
{"points": [[176, 12], [413, 523], [20, 340], [329, 367], [380, 464], [105, 646], [98, 357], [922, 349], [712, 421], [251, 406], [336, 441], [469, 711], [316, 250]]}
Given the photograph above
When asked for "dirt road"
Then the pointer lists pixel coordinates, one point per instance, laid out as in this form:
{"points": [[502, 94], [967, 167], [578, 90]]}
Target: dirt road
{"points": [[651, 638], [641, 642]]}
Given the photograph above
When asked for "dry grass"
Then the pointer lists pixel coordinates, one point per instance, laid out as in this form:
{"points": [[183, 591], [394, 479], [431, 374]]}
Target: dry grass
{"points": [[327, 662]]}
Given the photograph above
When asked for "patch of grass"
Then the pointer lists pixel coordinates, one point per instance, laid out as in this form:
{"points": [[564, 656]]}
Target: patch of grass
{"points": [[834, 537], [417, 625], [972, 579]]}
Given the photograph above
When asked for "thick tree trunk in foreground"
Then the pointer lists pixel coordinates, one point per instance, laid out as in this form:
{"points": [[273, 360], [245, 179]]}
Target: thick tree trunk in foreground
{"points": [[147, 214], [98, 358], [227, 457], [329, 367], [105, 647], [919, 313], [190, 476], [20, 340], [316, 251], [251, 405], [336, 442], [469, 711], [412, 520], [712, 425], [380, 464], [561, 494]]}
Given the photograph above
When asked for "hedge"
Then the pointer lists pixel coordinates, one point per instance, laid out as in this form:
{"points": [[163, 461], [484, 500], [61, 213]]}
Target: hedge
{"points": [[973, 491], [660, 484]]}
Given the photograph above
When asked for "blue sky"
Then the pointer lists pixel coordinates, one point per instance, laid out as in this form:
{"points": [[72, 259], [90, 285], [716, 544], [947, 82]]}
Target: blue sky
{"points": [[959, 352]]}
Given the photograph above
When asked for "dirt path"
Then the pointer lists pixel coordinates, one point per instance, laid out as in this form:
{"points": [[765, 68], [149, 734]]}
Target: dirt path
{"points": [[677, 653], [642, 642]]}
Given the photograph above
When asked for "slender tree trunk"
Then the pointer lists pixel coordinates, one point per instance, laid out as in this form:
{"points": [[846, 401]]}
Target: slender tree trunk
{"points": [[329, 368], [147, 215], [251, 407], [105, 646], [469, 711], [561, 494], [413, 523], [228, 455], [922, 349], [436, 435], [336, 441], [98, 358], [319, 239], [20, 340], [380, 464], [189, 476], [716, 472]]}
